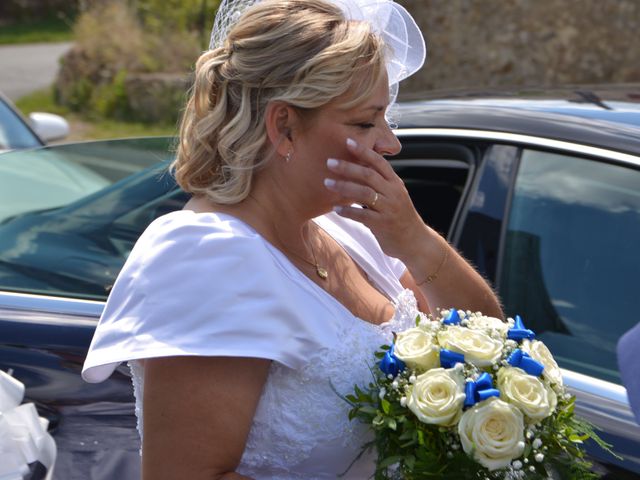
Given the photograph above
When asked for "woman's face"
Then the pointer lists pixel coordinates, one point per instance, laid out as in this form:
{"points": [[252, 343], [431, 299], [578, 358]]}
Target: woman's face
{"points": [[325, 134]]}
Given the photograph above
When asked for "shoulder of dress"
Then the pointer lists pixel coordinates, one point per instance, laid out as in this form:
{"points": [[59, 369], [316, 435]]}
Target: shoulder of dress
{"points": [[185, 223], [185, 236]]}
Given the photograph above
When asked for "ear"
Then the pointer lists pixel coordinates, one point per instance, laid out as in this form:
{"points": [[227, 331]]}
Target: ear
{"points": [[279, 119]]}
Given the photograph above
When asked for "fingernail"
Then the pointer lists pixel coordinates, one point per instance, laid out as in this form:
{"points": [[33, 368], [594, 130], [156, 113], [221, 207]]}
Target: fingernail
{"points": [[338, 209], [332, 163], [329, 182], [352, 143]]}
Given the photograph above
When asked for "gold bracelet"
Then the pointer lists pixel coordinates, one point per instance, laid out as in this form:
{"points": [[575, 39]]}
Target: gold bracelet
{"points": [[434, 275]]}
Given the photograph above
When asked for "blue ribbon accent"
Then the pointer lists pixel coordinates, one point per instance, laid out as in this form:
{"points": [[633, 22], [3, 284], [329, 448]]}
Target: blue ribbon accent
{"points": [[522, 360], [453, 318], [448, 358], [390, 364], [479, 390], [519, 332]]}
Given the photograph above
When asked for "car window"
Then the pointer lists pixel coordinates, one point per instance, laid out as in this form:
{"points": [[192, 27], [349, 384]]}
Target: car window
{"points": [[436, 176], [570, 264], [13, 132], [480, 235], [70, 214]]}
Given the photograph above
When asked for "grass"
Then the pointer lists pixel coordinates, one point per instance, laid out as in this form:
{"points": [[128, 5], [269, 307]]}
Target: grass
{"points": [[47, 30], [84, 128]]}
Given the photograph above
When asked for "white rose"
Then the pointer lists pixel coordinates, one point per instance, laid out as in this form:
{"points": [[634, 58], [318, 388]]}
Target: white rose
{"points": [[437, 397], [492, 432], [416, 348], [488, 323], [539, 351], [534, 398], [476, 346]]}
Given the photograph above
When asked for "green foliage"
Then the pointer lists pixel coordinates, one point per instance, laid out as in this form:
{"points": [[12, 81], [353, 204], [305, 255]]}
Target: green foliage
{"points": [[162, 16], [110, 100], [85, 127], [117, 40], [50, 29]]}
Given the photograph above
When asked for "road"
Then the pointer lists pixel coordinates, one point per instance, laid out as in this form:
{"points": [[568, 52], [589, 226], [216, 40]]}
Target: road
{"points": [[29, 67]]}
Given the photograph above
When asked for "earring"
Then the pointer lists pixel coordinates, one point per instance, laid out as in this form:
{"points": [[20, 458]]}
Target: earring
{"points": [[288, 157]]}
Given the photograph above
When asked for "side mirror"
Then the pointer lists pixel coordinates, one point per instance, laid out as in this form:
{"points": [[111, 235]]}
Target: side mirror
{"points": [[48, 126]]}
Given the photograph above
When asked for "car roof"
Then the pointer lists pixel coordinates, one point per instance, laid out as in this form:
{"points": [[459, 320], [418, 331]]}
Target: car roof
{"points": [[579, 116]]}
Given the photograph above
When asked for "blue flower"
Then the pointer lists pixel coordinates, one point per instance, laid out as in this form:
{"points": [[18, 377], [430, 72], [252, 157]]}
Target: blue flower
{"points": [[390, 364], [519, 332]]}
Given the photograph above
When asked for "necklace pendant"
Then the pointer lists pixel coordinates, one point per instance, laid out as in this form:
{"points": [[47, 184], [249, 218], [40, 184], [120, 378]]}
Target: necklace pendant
{"points": [[322, 273]]}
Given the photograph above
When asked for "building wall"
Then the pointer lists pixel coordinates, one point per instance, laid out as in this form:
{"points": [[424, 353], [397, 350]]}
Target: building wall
{"points": [[482, 44]]}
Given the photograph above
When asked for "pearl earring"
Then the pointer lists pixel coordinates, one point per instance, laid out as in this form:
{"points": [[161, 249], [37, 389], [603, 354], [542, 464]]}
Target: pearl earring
{"points": [[288, 157]]}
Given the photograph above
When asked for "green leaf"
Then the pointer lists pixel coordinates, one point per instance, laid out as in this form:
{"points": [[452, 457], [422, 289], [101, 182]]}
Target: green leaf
{"points": [[386, 406], [368, 409], [410, 461], [417, 320], [575, 438], [391, 423], [387, 462]]}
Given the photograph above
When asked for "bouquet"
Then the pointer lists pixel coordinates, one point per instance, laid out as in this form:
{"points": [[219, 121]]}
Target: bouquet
{"points": [[463, 395]]}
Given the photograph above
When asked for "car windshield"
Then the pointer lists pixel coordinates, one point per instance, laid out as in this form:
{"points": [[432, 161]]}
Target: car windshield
{"points": [[13, 131], [70, 214], [54, 177]]}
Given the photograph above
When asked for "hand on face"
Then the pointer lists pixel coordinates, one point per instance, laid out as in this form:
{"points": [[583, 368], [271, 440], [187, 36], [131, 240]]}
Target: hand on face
{"points": [[370, 181]]}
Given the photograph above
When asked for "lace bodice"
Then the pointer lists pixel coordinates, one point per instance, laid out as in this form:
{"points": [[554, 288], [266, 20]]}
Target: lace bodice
{"points": [[301, 430]]}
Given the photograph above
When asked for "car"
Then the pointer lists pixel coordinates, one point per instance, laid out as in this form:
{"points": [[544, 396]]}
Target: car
{"points": [[17, 132], [540, 192]]}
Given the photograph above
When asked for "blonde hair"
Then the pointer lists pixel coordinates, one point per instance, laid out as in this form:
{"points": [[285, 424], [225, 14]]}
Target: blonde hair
{"points": [[302, 52]]}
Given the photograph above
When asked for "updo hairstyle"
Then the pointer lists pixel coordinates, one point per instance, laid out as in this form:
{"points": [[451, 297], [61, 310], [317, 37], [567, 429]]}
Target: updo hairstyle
{"points": [[302, 52]]}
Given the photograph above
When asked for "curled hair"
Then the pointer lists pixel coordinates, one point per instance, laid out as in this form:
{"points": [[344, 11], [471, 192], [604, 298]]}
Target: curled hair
{"points": [[302, 52]]}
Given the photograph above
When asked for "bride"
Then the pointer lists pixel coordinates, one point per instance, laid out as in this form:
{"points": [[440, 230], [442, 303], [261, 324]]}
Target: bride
{"points": [[242, 314]]}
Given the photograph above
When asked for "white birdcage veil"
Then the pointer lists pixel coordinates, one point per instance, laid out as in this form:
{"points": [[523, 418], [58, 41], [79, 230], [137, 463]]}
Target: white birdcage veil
{"points": [[397, 28]]}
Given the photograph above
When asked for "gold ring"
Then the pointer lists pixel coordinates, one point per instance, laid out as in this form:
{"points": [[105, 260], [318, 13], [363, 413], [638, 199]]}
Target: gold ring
{"points": [[375, 199]]}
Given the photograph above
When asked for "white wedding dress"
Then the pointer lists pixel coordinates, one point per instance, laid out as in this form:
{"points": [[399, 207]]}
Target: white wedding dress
{"points": [[208, 284]]}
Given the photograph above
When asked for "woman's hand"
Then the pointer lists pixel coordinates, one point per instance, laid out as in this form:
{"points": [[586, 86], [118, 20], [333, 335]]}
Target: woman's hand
{"points": [[438, 275], [369, 180]]}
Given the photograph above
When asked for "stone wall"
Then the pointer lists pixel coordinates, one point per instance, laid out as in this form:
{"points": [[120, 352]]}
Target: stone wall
{"points": [[480, 44]]}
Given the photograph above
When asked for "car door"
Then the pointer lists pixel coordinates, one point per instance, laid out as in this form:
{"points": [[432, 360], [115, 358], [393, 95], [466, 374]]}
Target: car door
{"points": [[555, 226], [69, 216]]}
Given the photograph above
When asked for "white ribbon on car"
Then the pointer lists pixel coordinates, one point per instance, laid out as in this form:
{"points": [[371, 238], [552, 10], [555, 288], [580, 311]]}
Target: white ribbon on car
{"points": [[23, 434]]}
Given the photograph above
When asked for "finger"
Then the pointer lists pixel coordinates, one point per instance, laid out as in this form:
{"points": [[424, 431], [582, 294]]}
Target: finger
{"points": [[354, 192], [362, 215], [356, 173], [371, 158]]}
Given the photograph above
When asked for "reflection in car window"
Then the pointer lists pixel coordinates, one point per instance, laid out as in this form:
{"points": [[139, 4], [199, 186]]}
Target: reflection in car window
{"points": [[571, 257], [480, 237], [69, 215]]}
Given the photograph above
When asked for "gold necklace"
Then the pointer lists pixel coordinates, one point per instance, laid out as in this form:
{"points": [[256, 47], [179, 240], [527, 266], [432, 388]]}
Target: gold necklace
{"points": [[320, 271]]}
